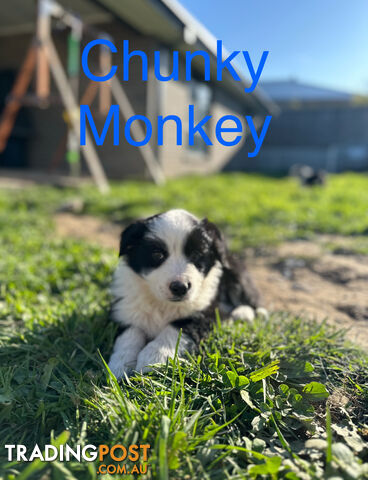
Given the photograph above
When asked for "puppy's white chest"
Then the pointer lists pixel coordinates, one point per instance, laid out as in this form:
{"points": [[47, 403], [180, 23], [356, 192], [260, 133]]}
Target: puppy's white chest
{"points": [[151, 317]]}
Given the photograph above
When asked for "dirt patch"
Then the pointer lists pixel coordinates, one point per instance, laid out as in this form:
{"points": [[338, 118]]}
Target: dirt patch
{"points": [[299, 277], [88, 228], [317, 284]]}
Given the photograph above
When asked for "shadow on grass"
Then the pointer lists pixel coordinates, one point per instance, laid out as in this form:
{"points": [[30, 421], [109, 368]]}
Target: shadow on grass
{"points": [[48, 372]]}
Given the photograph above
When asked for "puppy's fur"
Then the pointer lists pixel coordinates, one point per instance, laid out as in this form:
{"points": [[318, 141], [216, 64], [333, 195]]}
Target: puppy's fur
{"points": [[174, 271]]}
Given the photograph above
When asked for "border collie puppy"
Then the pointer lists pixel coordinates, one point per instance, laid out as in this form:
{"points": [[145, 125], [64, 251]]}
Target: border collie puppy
{"points": [[174, 271]]}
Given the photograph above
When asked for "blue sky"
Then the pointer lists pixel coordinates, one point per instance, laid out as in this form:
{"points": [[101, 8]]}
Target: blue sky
{"points": [[323, 42]]}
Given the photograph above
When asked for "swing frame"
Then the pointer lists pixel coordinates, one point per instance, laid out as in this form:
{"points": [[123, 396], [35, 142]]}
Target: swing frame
{"points": [[42, 59]]}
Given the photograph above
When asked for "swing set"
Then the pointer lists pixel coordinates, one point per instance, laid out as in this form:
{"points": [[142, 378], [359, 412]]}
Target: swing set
{"points": [[43, 61]]}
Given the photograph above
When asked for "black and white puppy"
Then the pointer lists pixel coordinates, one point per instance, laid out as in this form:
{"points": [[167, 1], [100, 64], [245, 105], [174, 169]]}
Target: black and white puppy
{"points": [[174, 271]]}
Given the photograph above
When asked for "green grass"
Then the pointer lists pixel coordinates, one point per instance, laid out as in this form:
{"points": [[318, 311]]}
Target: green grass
{"points": [[251, 209], [284, 398]]}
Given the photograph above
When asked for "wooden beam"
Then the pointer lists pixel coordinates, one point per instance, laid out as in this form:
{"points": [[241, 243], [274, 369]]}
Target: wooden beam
{"points": [[89, 93], [105, 87], [43, 32], [87, 98], [73, 69], [18, 91], [126, 108], [72, 108]]}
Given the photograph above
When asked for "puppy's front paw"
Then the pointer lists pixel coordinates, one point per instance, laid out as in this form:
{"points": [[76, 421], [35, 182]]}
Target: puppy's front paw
{"points": [[262, 313], [120, 368], [127, 346], [243, 312], [152, 354]]}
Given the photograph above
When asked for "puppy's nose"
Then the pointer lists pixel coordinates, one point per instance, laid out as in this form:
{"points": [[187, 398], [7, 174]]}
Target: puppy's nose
{"points": [[179, 289]]}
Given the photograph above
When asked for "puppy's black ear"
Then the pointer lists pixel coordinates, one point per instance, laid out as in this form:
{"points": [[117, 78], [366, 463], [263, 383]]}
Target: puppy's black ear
{"points": [[131, 236], [219, 243]]}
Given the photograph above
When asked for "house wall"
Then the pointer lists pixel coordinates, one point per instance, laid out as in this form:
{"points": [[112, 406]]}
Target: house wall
{"points": [[328, 137], [322, 126], [46, 136], [47, 130], [180, 160]]}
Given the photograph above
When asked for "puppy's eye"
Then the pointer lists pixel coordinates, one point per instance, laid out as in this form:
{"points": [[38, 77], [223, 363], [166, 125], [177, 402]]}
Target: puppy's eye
{"points": [[158, 256]]}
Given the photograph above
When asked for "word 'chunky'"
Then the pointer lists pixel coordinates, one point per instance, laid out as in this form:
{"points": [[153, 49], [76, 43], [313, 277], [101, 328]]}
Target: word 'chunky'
{"points": [[221, 64]]}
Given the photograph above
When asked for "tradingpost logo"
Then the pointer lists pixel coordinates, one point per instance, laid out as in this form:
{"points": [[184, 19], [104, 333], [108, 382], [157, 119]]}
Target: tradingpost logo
{"points": [[117, 459]]}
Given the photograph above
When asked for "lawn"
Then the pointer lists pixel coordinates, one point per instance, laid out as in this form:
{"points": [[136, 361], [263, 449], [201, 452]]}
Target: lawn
{"points": [[286, 398]]}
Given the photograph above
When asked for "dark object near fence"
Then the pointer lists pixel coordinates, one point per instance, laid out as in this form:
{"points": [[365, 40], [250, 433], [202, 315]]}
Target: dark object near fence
{"points": [[308, 176]]}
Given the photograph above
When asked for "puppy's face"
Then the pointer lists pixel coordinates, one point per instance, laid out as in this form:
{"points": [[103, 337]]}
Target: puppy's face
{"points": [[174, 253]]}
